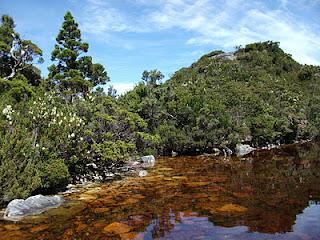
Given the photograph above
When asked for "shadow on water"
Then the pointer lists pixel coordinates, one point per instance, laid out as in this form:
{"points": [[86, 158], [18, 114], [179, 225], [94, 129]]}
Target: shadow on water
{"points": [[265, 195]]}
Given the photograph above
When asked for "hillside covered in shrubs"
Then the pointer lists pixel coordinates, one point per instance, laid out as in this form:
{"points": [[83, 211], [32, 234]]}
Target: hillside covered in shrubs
{"points": [[256, 95]]}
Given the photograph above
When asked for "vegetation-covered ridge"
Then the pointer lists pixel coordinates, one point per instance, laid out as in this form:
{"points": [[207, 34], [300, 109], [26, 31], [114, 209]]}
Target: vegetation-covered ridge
{"points": [[257, 95]]}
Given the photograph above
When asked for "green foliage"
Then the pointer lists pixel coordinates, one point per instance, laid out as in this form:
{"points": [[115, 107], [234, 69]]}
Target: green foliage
{"points": [[112, 151], [115, 132], [16, 54], [263, 129], [73, 73], [45, 142], [17, 89], [152, 78], [257, 94], [55, 174], [19, 175]]}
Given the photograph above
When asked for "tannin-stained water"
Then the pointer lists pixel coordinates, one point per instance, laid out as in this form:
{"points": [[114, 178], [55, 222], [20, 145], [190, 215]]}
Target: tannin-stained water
{"points": [[266, 195]]}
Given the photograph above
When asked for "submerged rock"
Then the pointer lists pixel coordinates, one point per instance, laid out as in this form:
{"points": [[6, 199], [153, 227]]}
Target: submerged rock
{"points": [[143, 173], [232, 208], [117, 228], [244, 149], [31, 206]]}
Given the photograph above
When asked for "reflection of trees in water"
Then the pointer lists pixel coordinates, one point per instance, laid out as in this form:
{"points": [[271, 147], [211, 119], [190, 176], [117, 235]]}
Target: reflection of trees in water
{"points": [[273, 185], [162, 224], [276, 185], [280, 183]]}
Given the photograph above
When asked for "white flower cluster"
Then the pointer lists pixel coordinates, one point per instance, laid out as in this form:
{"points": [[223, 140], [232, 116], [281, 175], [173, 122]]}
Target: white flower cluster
{"points": [[8, 111], [73, 118], [44, 111], [91, 98], [72, 135]]}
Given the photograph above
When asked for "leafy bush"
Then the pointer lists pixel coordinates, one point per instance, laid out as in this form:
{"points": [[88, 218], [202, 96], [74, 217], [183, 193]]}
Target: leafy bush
{"points": [[54, 174]]}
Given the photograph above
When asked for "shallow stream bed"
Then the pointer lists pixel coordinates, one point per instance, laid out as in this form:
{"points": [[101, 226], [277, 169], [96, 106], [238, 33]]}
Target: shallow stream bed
{"points": [[266, 195]]}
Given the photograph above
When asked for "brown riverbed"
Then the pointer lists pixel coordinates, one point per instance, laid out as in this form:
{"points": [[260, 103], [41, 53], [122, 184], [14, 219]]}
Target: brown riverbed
{"points": [[267, 195]]}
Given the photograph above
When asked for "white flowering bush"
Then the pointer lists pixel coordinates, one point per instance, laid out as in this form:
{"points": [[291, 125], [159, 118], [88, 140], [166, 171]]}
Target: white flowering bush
{"points": [[41, 134], [46, 142], [8, 112]]}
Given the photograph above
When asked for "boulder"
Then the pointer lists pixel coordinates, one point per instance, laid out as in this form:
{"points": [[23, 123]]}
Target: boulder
{"points": [[216, 151], [147, 165], [92, 165], [31, 206], [148, 159], [244, 149], [227, 152], [174, 154]]}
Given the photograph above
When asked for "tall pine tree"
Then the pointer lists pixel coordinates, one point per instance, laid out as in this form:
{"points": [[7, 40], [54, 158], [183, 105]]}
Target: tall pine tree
{"points": [[74, 74]]}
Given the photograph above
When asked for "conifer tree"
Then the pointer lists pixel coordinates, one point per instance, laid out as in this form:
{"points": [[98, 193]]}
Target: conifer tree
{"points": [[73, 73], [152, 78]]}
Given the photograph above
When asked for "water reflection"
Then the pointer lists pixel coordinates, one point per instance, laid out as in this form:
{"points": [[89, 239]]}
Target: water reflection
{"points": [[306, 227], [266, 195]]}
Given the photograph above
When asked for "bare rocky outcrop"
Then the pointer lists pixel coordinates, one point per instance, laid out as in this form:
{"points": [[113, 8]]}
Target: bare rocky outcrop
{"points": [[224, 56]]}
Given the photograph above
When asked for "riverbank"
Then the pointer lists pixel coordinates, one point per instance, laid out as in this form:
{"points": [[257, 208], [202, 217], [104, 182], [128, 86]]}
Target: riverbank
{"points": [[137, 167]]}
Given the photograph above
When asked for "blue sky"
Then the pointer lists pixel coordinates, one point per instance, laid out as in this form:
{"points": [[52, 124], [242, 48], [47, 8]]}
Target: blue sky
{"points": [[129, 36]]}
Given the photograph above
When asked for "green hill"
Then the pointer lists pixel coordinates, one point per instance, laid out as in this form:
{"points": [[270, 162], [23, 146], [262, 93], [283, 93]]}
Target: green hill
{"points": [[257, 95]]}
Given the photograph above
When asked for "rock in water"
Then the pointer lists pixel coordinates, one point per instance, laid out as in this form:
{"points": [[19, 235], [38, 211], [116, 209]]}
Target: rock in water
{"points": [[143, 173], [31, 206], [227, 152], [244, 149], [216, 151], [174, 154], [148, 159]]}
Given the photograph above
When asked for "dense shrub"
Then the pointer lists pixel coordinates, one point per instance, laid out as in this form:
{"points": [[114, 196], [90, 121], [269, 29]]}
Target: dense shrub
{"points": [[261, 97], [45, 142]]}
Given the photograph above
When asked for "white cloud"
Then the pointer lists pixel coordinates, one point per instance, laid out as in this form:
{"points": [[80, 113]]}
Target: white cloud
{"points": [[122, 87], [223, 27], [284, 3], [219, 23], [102, 20]]}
